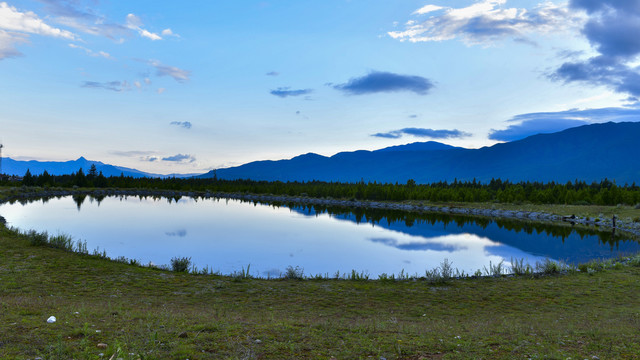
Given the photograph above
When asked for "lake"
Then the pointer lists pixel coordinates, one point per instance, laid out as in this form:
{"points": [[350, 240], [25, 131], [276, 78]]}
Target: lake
{"points": [[229, 235]]}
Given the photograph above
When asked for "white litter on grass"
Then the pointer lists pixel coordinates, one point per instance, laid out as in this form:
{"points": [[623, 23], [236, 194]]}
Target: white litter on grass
{"points": [[51, 320]]}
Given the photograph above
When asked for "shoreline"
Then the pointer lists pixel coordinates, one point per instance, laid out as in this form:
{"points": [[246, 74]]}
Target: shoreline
{"points": [[632, 228]]}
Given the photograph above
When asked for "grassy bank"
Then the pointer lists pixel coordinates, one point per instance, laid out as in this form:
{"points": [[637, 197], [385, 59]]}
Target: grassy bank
{"points": [[131, 312], [622, 212]]}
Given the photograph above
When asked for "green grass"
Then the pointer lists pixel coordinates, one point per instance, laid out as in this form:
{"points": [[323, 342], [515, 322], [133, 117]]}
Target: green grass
{"points": [[146, 313]]}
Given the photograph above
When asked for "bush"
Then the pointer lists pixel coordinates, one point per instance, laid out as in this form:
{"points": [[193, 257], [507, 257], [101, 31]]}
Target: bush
{"points": [[180, 264], [61, 241], [548, 267], [37, 238], [292, 273]]}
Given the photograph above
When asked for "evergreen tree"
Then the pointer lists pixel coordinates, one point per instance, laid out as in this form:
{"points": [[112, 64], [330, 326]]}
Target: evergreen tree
{"points": [[27, 179]]}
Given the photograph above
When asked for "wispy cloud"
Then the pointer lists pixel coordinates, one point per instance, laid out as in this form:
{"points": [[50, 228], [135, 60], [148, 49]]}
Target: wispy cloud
{"points": [[612, 29], [80, 15], [16, 27], [182, 124], [133, 22], [117, 86], [524, 125], [183, 158], [486, 21], [378, 81], [146, 156], [176, 73], [422, 132], [272, 73], [284, 92], [132, 153], [90, 52]]}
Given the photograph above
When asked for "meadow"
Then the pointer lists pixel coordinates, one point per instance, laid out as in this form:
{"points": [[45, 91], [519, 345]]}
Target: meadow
{"points": [[118, 309]]}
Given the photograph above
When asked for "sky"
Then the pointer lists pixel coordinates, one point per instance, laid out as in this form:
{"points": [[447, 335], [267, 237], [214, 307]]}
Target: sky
{"points": [[186, 87]]}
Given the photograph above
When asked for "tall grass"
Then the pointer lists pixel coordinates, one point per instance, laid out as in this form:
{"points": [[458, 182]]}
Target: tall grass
{"points": [[494, 270], [518, 267]]}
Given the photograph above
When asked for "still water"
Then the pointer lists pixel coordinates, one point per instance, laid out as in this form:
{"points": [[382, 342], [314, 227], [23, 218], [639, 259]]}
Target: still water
{"points": [[229, 235]]}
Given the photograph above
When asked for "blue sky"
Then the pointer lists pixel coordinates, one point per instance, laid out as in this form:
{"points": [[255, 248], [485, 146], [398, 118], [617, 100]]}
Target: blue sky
{"points": [[168, 86]]}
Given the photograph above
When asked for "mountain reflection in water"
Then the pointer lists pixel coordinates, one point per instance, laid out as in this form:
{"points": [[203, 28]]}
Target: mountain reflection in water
{"points": [[229, 235]]}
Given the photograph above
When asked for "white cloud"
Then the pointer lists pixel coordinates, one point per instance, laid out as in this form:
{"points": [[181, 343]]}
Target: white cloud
{"points": [[135, 23], [17, 26], [149, 35], [427, 9], [169, 32], [161, 90], [487, 21], [28, 22]]}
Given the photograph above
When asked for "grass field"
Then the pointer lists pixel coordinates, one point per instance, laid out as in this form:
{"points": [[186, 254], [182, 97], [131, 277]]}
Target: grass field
{"points": [[110, 310]]}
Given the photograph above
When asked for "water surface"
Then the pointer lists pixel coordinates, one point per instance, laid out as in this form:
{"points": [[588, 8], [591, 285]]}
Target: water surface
{"points": [[228, 235]]}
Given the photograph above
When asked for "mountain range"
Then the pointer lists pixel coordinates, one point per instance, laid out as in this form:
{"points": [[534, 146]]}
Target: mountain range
{"points": [[17, 167], [589, 153]]}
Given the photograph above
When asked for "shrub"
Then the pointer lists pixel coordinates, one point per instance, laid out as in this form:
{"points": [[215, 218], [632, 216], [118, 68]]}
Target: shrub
{"points": [[61, 241], [635, 261], [292, 273], [180, 264], [37, 238], [446, 269], [548, 267], [433, 276]]}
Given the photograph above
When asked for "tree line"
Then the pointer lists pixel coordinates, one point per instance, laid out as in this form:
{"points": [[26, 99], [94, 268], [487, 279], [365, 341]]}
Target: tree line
{"points": [[605, 192]]}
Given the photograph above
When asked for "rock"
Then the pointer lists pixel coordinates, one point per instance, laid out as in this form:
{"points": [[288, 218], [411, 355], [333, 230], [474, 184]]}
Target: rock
{"points": [[101, 346], [51, 320]]}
